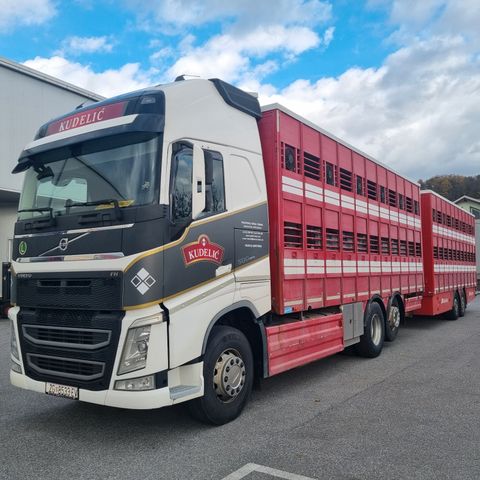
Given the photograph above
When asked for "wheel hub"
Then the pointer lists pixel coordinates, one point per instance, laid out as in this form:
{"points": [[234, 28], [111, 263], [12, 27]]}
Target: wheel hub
{"points": [[394, 317], [376, 329], [229, 375]]}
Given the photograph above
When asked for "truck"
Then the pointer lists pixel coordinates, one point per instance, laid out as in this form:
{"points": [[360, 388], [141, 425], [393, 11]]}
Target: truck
{"points": [[177, 243]]}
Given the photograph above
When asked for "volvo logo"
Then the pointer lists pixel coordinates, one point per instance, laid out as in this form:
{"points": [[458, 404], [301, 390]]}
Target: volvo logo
{"points": [[63, 244]]}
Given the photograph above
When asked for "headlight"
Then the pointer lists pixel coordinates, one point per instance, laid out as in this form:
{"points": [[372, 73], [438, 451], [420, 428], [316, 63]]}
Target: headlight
{"points": [[135, 350], [13, 341]]}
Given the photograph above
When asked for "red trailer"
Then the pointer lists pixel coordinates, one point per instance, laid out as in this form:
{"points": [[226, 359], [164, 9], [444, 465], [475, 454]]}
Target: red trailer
{"points": [[344, 230], [449, 256]]}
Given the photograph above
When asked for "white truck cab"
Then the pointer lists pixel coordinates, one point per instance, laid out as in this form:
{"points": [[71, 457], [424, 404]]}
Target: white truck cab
{"points": [[141, 258]]}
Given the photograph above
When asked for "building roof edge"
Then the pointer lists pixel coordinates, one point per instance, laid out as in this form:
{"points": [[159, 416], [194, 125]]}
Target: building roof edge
{"points": [[43, 77]]}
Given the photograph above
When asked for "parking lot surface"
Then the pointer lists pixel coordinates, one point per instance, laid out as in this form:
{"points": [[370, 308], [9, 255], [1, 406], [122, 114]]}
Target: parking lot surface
{"points": [[412, 413]]}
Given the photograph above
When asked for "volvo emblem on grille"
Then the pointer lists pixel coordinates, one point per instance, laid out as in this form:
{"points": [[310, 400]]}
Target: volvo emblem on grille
{"points": [[63, 244]]}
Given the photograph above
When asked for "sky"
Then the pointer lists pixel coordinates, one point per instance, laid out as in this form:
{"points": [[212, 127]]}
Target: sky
{"points": [[398, 79]]}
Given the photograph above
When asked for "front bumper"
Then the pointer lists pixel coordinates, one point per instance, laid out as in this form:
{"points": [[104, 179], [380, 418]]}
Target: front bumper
{"points": [[113, 398], [183, 383], [176, 392]]}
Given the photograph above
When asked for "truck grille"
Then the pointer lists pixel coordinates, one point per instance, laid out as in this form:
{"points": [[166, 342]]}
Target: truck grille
{"points": [[92, 291], [82, 338], [72, 347], [66, 367]]}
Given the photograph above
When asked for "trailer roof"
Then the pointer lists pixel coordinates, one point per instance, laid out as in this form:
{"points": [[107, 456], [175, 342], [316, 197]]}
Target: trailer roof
{"points": [[446, 200], [278, 106]]}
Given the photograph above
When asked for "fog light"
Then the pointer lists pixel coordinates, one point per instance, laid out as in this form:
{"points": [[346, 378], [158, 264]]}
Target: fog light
{"points": [[15, 367], [136, 384]]}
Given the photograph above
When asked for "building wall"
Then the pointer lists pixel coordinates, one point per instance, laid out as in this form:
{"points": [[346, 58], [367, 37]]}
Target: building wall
{"points": [[26, 103], [8, 214]]}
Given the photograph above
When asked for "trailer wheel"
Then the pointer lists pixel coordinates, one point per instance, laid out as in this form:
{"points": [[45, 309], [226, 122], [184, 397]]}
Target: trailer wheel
{"points": [[228, 377], [371, 342], [392, 325], [463, 304], [454, 313]]}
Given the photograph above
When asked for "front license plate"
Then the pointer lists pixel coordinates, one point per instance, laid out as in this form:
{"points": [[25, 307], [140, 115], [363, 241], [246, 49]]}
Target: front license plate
{"points": [[64, 391]]}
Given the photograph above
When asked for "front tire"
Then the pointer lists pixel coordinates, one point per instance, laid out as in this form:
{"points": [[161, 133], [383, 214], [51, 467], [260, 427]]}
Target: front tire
{"points": [[228, 377], [371, 342]]}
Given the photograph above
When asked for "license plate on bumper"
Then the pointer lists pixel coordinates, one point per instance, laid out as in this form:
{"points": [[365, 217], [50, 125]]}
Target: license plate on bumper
{"points": [[63, 391]]}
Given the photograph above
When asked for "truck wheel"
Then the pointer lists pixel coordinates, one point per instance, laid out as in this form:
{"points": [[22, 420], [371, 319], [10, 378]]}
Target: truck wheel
{"points": [[371, 342], [463, 304], [455, 311], [228, 377], [392, 325]]}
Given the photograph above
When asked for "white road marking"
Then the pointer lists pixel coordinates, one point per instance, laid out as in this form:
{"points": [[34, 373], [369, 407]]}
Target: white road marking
{"points": [[253, 467]]}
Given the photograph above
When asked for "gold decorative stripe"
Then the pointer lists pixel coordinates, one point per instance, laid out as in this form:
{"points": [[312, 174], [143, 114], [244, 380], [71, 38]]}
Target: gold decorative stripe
{"points": [[160, 300], [195, 223]]}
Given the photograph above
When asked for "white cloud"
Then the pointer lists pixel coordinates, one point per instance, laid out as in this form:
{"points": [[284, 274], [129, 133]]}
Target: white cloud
{"points": [[232, 57], [15, 13], [173, 15], [108, 83], [79, 45], [418, 112]]}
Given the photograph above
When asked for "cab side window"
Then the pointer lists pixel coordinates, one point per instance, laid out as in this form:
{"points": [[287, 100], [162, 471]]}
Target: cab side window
{"points": [[214, 183], [182, 172]]}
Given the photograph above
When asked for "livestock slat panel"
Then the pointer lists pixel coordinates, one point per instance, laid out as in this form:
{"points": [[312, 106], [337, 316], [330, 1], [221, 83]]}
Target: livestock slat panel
{"points": [[334, 218]]}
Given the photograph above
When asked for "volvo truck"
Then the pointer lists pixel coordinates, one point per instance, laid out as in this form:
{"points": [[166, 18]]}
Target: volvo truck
{"points": [[176, 243]]}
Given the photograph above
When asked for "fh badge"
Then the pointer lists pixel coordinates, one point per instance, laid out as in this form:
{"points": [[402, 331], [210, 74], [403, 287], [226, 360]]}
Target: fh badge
{"points": [[203, 250]]}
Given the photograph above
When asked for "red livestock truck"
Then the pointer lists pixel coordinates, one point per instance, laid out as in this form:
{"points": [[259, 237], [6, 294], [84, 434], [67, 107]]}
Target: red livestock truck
{"points": [[449, 257], [243, 242]]}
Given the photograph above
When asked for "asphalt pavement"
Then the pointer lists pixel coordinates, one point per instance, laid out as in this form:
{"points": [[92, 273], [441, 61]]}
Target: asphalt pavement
{"points": [[412, 413]]}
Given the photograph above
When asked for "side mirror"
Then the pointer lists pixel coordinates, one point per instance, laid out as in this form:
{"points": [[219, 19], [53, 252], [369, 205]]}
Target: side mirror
{"points": [[198, 187]]}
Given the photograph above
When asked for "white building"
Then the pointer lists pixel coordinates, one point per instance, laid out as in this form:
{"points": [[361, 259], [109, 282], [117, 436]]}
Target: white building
{"points": [[28, 99]]}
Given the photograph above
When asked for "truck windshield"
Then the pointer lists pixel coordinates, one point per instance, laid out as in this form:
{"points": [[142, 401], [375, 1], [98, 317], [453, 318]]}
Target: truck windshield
{"points": [[123, 168]]}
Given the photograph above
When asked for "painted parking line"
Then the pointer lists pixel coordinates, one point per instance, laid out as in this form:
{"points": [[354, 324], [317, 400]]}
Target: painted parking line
{"points": [[253, 467]]}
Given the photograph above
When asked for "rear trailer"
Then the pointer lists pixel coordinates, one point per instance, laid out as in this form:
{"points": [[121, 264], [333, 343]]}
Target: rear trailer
{"points": [[345, 233], [449, 256]]}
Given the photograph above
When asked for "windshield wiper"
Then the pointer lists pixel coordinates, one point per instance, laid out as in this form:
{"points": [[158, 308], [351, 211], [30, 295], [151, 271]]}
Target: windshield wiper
{"points": [[118, 212], [38, 209], [41, 223]]}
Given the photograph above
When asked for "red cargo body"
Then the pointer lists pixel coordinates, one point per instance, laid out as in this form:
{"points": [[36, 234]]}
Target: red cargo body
{"points": [[449, 253], [343, 228]]}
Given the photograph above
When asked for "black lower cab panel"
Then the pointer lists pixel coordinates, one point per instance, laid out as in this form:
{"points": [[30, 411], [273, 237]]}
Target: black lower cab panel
{"points": [[70, 347]]}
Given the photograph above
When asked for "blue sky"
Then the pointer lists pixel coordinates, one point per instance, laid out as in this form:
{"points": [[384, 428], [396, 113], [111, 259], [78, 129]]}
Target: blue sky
{"points": [[399, 79], [360, 38]]}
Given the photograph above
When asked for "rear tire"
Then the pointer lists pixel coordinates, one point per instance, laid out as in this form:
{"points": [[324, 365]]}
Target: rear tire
{"points": [[463, 304], [392, 325], [455, 311], [228, 377], [371, 342]]}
